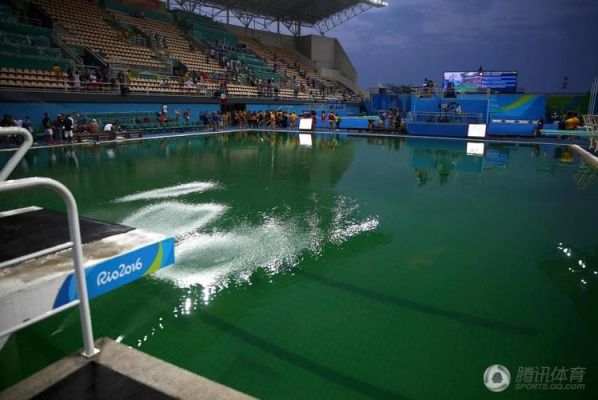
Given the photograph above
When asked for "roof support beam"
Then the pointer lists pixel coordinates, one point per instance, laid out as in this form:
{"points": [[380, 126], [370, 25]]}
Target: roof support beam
{"points": [[249, 12]]}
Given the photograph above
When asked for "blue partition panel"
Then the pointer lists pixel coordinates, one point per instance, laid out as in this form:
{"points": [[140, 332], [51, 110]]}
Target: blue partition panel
{"points": [[433, 129], [515, 129]]}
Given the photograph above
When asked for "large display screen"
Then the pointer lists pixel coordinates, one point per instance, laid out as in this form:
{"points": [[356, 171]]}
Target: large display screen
{"points": [[497, 81]]}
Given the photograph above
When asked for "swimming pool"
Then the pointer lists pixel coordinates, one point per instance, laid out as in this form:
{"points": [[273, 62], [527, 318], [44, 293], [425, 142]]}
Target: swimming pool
{"points": [[352, 268]]}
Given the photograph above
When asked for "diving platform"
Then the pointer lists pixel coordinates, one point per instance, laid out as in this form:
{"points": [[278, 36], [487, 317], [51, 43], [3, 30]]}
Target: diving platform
{"points": [[113, 255]]}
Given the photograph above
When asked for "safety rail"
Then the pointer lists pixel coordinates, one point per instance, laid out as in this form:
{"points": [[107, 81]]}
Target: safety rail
{"points": [[53, 85], [74, 243], [446, 117], [427, 92], [591, 124]]}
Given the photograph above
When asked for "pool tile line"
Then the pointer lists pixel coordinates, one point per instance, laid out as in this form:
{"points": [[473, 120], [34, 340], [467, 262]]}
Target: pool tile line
{"points": [[420, 307]]}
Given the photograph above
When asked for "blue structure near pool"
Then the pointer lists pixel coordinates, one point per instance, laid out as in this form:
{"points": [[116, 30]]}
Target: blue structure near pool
{"points": [[503, 114]]}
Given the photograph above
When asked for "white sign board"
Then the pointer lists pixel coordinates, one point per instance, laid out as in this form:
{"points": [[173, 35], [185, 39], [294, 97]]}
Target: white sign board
{"points": [[305, 124], [476, 130]]}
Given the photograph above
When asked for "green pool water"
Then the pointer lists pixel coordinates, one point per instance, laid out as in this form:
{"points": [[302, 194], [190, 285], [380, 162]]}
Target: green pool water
{"points": [[357, 267]]}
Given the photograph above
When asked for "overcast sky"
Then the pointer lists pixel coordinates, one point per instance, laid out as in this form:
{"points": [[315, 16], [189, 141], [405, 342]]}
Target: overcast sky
{"points": [[409, 40]]}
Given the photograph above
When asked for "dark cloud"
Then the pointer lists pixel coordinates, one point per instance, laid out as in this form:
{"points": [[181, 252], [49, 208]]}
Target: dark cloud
{"points": [[413, 39]]}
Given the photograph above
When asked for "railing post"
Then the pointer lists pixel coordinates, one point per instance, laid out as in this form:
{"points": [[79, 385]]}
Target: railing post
{"points": [[74, 229], [19, 154], [75, 233]]}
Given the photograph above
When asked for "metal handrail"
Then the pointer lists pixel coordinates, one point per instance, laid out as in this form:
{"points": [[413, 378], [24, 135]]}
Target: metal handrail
{"points": [[19, 154], [75, 240], [445, 116]]}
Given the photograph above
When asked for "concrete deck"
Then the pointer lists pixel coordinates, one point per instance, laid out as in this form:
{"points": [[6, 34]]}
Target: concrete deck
{"points": [[140, 367]]}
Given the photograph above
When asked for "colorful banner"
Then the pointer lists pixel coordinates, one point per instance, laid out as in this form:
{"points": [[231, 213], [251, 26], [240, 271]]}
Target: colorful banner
{"points": [[119, 271], [517, 106]]}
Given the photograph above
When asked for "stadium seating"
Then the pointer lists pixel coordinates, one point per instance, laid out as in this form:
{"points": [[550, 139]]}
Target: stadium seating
{"points": [[178, 46], [86, 26], [149, 47], [27, 46], [24, 77]]}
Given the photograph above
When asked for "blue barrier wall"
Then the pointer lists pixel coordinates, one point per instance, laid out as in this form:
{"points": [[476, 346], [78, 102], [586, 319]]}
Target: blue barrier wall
{"points": [[474, 104], [387, 101], [504, 129], [36, 110], [437, 129], [515, 114]]}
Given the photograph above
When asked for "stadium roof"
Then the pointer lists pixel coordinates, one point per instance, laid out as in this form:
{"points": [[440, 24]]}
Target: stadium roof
{"points": [[321, 15]]}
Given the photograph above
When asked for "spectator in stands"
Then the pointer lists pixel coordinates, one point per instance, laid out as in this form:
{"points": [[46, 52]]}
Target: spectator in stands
{"points": [[187, 115], [109, 127], [47, 126], [189, 85], [93, 81], [77, 80], [69, 125], [94, 127], [56, 71]]}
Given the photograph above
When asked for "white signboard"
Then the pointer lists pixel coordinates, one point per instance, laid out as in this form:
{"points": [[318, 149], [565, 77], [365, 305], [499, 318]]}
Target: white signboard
{"points": [[305, 124], [476, 130]]}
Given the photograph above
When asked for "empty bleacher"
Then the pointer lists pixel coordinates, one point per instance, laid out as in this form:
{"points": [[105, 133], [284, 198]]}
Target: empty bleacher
{"points": [[86, 25], [177, 45], [149, 44]]}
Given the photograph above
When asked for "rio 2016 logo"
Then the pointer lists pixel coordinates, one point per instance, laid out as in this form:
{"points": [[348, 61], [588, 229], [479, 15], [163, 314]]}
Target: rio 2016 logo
{"points": [[497, 378], [123, 270]]}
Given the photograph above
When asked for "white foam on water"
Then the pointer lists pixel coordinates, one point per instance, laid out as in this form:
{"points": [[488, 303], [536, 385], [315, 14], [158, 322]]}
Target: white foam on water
{"points": [[344, 225], [171, 191], [175, 218], [343, 233], [213, 260]]}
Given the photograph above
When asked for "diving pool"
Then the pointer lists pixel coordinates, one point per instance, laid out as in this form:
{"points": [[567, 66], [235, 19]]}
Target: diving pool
{"points": [[357, 267]]}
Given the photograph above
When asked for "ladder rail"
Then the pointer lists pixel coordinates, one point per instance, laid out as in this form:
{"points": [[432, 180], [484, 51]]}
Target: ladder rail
{"points": [[74, 231], [19, 154]]}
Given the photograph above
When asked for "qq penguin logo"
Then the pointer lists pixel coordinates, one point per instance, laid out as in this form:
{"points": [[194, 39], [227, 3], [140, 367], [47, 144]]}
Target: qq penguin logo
{"points": [[497, 378]]}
